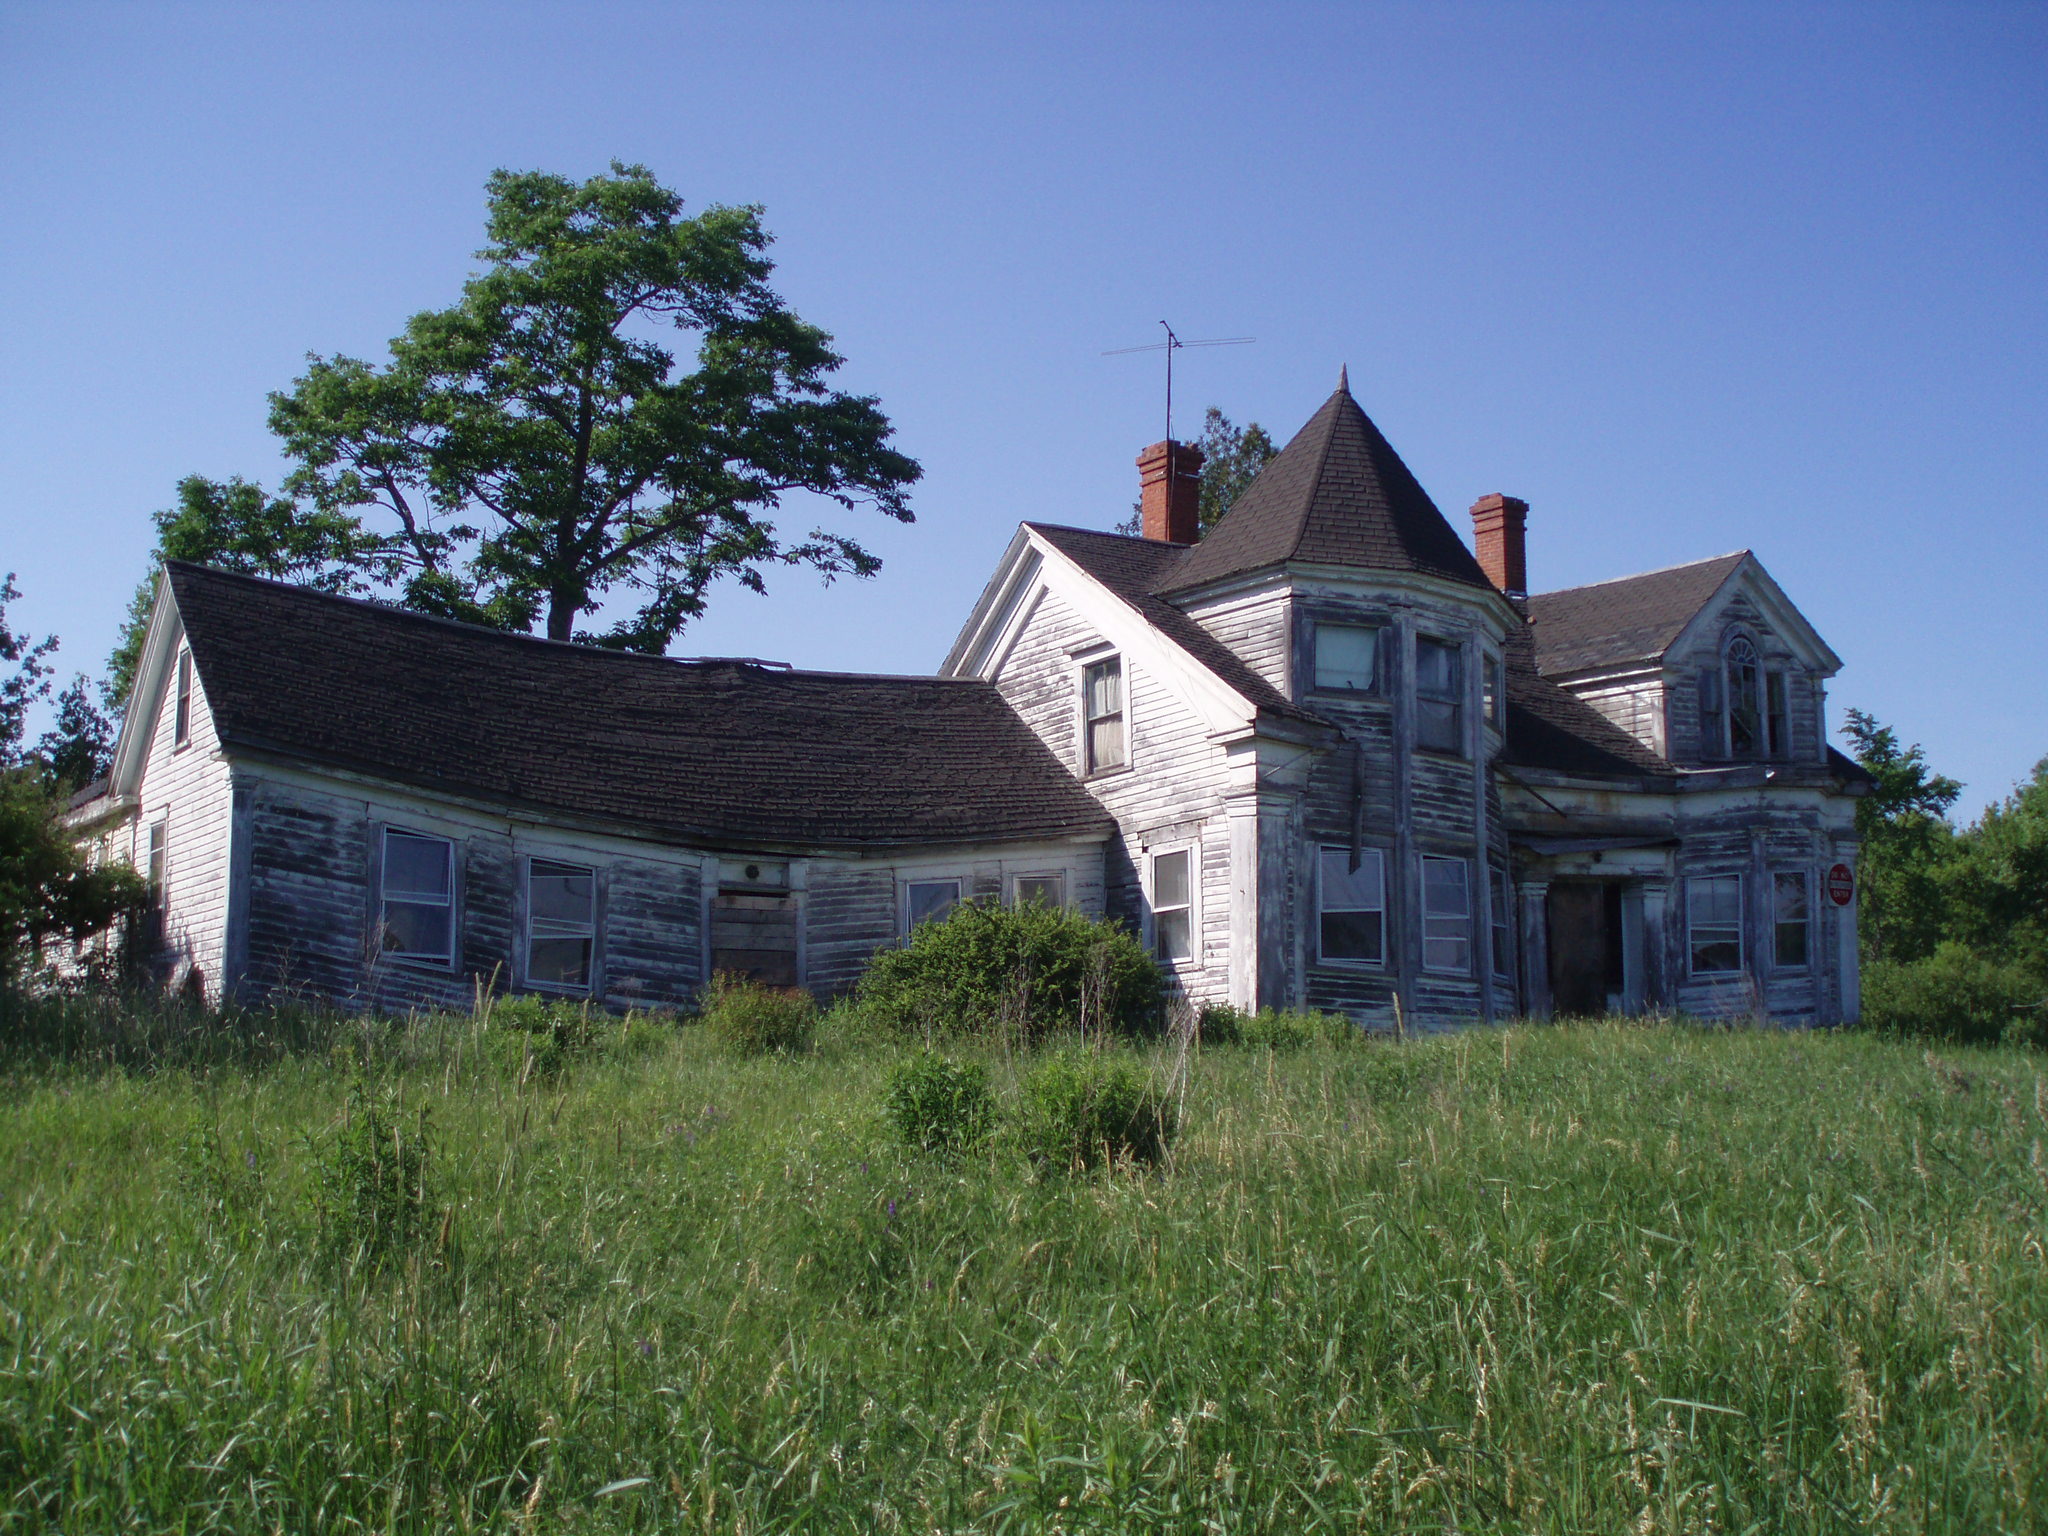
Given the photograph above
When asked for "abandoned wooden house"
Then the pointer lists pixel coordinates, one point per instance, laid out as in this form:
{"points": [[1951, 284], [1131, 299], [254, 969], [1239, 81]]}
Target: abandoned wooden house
{"points": [[1323, 756]]}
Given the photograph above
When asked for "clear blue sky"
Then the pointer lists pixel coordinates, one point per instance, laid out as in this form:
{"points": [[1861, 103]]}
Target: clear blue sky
{"points": [[1688, 277]]}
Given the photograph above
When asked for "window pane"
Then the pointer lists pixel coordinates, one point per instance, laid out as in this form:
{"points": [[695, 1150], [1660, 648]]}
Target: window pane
{"points": [[1490, 686], [560, 893], [1105, 688], [1347, 657], [559, 962], [930, 900], [1790, 935], [1436, 725], [1349, 890], [1446, 915], [415, 928], [1106, 743], [1170, 930], [1444, 891], [183, 726], [1046, 890], [416, 866], [1170, 880], [1714, 950], [1446, 952], [1436, 669], [1353, 936], [1714, 911]]}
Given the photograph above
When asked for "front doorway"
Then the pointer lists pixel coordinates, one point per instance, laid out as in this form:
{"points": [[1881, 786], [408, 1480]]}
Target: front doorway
{"points": [[1588, 965]]}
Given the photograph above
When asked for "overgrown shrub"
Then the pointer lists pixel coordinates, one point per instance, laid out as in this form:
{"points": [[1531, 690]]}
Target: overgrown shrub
{"points": [[1022, 972], [938, 1105], [372, 1192], [540, 1036], [1277, 1029], [1078, 1109], [1955, 994], [755, 1020]]}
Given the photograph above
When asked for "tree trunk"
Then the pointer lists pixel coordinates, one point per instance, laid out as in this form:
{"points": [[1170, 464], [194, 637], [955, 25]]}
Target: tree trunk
{"points": [[561, 615]]}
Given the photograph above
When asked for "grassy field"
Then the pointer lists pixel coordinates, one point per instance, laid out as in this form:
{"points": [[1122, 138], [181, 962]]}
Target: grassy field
{"points": [[1584, 1279]]}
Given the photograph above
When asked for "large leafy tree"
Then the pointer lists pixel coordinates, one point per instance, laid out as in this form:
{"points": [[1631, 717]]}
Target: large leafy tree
{"points": [[1908, 843], [542, 445]]}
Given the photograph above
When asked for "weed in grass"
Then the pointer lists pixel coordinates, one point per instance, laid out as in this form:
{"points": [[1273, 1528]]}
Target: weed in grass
{"points": [[939, 1105], [1080, 1108], [373, 1196], [750, 1019]]}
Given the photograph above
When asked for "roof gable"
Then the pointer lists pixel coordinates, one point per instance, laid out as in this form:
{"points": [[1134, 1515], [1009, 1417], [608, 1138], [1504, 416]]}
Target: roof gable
{"points": [[1337, 494], [719, 751], [1629, 619]]}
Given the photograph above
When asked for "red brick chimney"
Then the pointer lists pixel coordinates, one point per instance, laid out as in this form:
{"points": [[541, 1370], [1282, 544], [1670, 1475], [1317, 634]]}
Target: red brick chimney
{"points": [[1170, 492], [1498, 524]]}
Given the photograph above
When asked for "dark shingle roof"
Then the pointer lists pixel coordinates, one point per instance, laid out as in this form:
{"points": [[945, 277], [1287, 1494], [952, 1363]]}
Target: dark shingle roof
{"points": [[1131, 568], [714, 750], [1633, 618], [1550, 728], [1337, 494]]}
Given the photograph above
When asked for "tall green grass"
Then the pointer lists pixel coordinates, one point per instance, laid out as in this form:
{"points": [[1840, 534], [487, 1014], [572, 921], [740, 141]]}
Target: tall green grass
{"points": [[1581, 1279]]}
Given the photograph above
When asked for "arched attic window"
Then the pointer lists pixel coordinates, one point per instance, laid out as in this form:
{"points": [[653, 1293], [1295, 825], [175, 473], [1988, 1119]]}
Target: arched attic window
{"points": [[1744, 706]]}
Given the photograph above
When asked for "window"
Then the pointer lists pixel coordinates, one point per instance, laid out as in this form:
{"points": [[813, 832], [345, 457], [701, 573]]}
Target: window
{"points": [[181, 717], [1172, 905], [1102, 694], [1353, 907], [1347, 658], [1714, 923], [928, 901], [1503, 924], [561, 923], [1438, 712], [1745, 701], [419, 897], [1493, 702], [1790, 914], [1777, 714], [1046, 890], [1446, 914], [159, 845]]}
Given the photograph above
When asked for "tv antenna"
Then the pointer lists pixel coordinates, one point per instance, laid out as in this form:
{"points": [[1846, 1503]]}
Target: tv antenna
{"points": [[1171, 345]]}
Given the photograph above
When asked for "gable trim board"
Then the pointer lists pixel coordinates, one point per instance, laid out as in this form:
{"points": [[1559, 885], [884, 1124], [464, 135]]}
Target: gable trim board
{"points": [[319, 720]]}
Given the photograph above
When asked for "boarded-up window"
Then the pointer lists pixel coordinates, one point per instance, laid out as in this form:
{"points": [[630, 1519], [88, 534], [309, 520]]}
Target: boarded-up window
{"points": [[1102, 692], [1713, 906], [561, 923], [753, 935], [181, 717], [1439, 681], [928, 901], [1046, 890], [1347, 658], [1790, 914], [1173, 905], [1446, 914], [1352, 920], [419, 897]]}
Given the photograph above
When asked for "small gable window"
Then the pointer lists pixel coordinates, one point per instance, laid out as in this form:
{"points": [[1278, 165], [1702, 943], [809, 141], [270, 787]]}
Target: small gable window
{"points": [[1713, 906], [1347, 658], [419, 897], [1173, 905], [1102, 695], [561, 923], [928, 901], [1446, 914], [1353, 902], [1439, 681], [1745, 701], [1745, 710], [181, 715]]}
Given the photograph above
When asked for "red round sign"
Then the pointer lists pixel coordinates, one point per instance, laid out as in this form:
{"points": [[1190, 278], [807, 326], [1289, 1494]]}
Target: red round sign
{"points": [[1841, 885]]}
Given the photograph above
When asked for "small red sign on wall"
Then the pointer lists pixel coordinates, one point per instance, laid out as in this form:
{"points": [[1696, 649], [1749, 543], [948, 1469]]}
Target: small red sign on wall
{"points": [[1841, 885]]}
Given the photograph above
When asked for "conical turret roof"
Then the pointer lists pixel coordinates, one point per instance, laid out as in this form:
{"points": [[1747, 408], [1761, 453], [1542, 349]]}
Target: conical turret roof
{"points": [[1337, 494]]}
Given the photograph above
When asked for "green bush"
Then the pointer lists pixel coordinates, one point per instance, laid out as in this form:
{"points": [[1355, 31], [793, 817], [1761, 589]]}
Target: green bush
{"points": [[1078, 1109], [1955, 994], [1023, 972], [939, 1105], [1277, 1029], [755, 1020]]}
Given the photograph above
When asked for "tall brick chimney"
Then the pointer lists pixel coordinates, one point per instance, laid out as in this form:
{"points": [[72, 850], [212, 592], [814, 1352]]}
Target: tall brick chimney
{"points": [[1498, 536], [1170, 492]]}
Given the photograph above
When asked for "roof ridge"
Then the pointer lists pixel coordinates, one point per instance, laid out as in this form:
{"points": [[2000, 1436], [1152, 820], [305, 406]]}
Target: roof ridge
{"points": [[1662, 570]]}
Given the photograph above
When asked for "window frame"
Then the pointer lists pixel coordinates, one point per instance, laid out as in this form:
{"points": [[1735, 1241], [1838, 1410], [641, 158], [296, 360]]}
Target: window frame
{"points": [[585, 931], [1779, 878], [1694, 885], [181, 700], [1464, 867], [1453, 699], [1190, 907], [445, 962], [1744, 693], [1378, 858], [1057, 877], [1088, 665], [911, 882], [1376, 685]]}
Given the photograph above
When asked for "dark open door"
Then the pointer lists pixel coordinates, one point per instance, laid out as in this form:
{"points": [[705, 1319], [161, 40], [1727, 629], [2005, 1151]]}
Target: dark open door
{"points": [[1585, 946]]}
